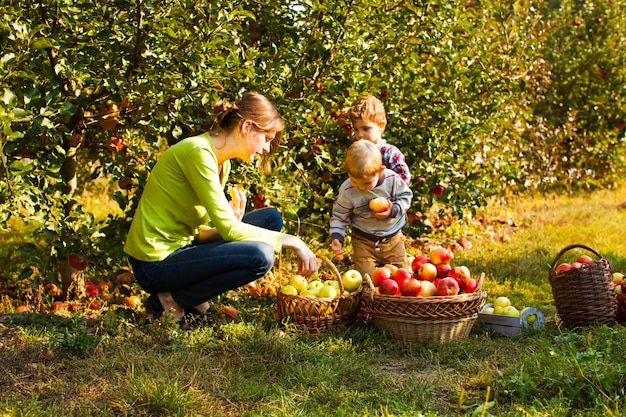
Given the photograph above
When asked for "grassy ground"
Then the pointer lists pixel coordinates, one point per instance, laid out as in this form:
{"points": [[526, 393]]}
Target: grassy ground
{"points": [[117, 364]]}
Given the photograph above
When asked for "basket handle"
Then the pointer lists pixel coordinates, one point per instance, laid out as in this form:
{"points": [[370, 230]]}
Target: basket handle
{"points": [[567, 248], [333, 269], [369, 282]]}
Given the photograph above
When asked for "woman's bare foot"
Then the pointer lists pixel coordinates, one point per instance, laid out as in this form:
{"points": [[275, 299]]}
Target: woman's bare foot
{"points": [[170, 305]]}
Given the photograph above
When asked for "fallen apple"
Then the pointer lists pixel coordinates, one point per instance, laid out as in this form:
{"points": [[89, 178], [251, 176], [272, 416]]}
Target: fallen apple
{"points": [[229, 312], [91, 289]]}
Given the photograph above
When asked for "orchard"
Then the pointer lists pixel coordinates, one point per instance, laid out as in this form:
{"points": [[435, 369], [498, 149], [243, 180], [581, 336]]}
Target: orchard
{"points": [[484, 99]]}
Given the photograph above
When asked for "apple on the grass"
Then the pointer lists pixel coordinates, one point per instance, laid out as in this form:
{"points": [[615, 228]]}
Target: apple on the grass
{"points": [[91, 289], [562, 267], [411, 287], [440, 256], [351, 280], [428, 289], [427, 272], [380, 274], [389, 287], [585, 259], [401, 275], [448, 286], [418, 261], [379, 204]]}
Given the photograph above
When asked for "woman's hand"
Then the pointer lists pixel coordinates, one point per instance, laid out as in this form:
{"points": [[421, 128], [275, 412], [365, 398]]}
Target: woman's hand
{"points": [[307, 261], [238, 201]]}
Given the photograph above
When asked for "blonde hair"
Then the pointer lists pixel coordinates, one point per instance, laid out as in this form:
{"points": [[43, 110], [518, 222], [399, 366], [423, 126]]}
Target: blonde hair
{"points": [[369, 109], [257, 109], [363, 159]]}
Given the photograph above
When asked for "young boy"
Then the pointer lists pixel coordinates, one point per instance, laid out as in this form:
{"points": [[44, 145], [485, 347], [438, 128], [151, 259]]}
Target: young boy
{"points": [[369, 120], [377, 237]]}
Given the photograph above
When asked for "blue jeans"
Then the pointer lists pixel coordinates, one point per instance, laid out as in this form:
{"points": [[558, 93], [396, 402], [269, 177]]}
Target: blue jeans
{"points": [[197, 273]]}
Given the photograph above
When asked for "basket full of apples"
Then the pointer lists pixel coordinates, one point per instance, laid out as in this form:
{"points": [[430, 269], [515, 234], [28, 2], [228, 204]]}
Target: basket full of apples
{"points": [[431, 300], [583, 290], [326, 301]]}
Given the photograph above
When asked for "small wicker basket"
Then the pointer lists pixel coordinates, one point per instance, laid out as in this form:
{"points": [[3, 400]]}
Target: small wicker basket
{"points": [[416, 319], [318, 314], [584, 296]]}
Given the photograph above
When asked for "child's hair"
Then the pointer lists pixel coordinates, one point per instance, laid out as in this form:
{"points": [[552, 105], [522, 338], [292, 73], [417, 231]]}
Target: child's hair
{"points": [[370, 109], [363, 159], [260, 111]]}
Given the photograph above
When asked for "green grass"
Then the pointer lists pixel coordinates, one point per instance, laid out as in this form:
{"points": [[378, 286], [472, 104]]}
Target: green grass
{"points": [[117, 364]]}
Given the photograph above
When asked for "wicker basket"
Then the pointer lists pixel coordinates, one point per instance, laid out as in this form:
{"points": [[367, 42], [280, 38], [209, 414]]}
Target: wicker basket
{"points": [[621, 308], [584, 296], [416, 319], [318, 314]]}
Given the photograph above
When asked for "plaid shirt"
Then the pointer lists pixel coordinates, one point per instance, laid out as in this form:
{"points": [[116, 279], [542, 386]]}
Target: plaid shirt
{"points": [[394, 160]]}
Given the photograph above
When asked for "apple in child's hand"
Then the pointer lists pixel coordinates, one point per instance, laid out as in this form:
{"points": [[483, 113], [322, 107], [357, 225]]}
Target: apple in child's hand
{"points": [[351, 280], [389, 287], [379, 204], [448, 286], [418, 261], [584, 259], [401, 275], [440, 256], [427, 272], [428, 289], [411, 287], [380, 274]]}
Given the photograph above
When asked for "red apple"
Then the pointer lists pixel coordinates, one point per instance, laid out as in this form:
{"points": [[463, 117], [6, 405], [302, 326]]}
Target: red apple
{"points": [[418, 261], [91, 289], [437, 189], [57, 305], [411, 287], [389, 287], [230, 312], [460, 273], [448, 286], [380, 274], [401, 275], [575, 265], [440, 256], [78, 262], [436, 281], [562, 267], [427, 272], [443, 270], [470, 285], [52, 289], [585, 260], [379, 204]]}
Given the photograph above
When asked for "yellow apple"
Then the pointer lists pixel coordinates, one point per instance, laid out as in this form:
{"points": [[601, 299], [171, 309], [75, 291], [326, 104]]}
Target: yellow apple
{"points": [[299, 282], [502, 302], [351, 280], [618, 277], [488, 310], [289, 290], [327, 291], [428, 289], [511, 311]]}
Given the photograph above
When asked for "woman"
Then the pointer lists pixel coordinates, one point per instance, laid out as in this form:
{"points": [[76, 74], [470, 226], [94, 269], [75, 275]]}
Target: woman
{"points": [[187, 243]]}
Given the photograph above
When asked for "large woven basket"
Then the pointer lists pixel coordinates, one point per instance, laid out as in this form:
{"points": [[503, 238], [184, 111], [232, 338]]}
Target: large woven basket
{"points": [[416, 319], [318, 314], [584, 296]]}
